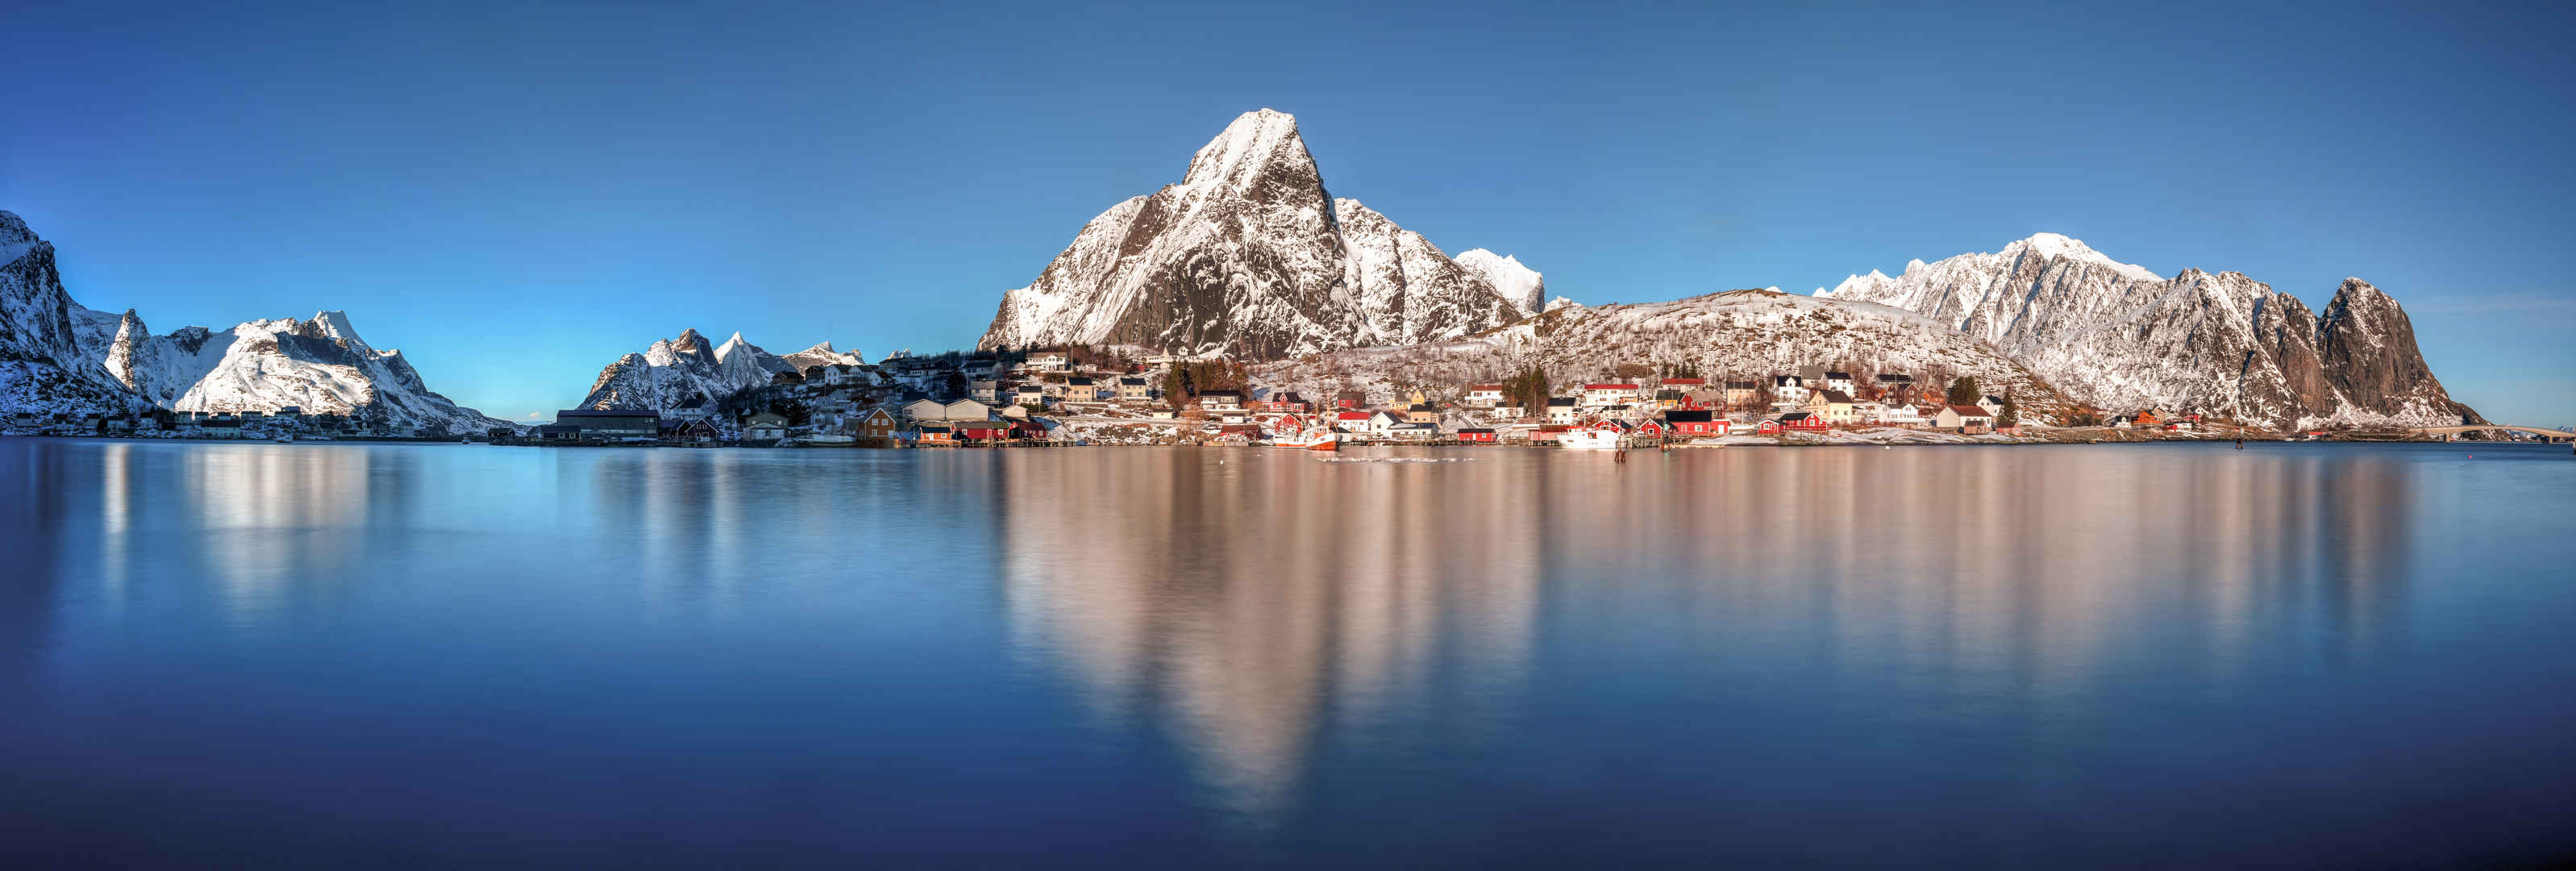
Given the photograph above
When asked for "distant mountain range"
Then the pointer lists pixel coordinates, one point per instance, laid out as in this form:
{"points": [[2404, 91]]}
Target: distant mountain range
{"points": [[58, 356], [684, 371], [2117, 336], [1249, 255]]}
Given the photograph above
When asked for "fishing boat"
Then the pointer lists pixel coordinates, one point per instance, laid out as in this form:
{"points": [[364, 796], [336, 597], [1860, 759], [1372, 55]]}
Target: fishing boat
{"points": [[1319, 439], [1588, 439]]}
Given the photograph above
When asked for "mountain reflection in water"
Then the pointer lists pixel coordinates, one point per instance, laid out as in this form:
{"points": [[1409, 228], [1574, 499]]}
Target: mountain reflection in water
{"points": [[2046, 655]]}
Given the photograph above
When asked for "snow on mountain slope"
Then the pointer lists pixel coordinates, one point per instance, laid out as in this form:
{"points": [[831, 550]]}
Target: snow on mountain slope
{"points": [[1250, 255], [822, 354], [1526, 289], [2117, 336], [1735, 335], [675, 372], [58, 356]]}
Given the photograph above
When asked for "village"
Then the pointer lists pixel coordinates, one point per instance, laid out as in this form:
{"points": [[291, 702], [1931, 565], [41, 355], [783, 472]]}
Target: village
{"points": [[1068, 397]]}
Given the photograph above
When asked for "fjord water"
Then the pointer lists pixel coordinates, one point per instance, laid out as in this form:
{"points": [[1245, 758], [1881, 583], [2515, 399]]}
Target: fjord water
{"points": [[2152, 654]]}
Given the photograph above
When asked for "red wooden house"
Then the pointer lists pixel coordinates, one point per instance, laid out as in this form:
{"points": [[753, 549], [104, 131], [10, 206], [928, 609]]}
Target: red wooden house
{"points": [[1476, 436], [981, 430], [1803, 421], [1697, 422]]}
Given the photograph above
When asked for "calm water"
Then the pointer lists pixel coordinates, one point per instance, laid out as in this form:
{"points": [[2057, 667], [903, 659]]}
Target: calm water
{"points": [[2097, 655]]}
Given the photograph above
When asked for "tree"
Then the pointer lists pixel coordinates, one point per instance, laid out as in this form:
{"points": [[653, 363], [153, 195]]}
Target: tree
{"points": [[2010, 415], [1176, 386], [1527, 389], [1963, 391]]}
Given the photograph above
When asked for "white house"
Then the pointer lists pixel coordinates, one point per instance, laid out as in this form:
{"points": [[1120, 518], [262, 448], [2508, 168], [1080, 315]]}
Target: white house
{"points": [[1484, 395], [1560, 409], [1414, 431], [1382, 423], [1221, 400], [1788, 389], [1597, 395], [1044, 361], [1993, 405], [1839, 381]]}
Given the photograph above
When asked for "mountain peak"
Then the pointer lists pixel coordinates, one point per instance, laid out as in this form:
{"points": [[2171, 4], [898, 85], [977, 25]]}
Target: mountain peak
{"points": [[14, 230], [2057, 246], [1255, 140]]}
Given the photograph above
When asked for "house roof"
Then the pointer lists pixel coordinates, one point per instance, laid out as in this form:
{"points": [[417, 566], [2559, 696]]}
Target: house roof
{"points": [[1969, 411], [1740, 385], [1609, 387], [1131, 382], [1786, 380], [1689, 416], [1685, 381], [1560, 401], [1834, 396], [1238, 394], [1422, 406], [1894, 377], [1846, 376], [1474, 429], [1496, 388], [1796, 417], [1352, 415]]}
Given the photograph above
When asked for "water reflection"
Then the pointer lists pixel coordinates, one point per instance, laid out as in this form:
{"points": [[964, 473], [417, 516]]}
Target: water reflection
{"points": [[1798, 655], [1250, 596], [1243, 599]]}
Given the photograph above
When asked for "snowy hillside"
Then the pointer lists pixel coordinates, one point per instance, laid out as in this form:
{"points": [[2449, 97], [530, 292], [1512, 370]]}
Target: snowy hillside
{"points": [[1249, 255], [1736, 335], [2117, 336]]}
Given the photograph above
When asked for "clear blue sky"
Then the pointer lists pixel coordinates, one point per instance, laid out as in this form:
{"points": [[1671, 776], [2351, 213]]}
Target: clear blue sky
{"points": [[516, 194]]}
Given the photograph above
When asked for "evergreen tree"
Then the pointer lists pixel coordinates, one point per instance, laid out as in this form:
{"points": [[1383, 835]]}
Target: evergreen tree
{"points": [[1963, 391], [2010, 415]]}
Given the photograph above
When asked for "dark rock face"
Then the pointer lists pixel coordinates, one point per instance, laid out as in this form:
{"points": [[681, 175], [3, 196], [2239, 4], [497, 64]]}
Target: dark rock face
{"points": [[2366, 347], [1249, 255]]}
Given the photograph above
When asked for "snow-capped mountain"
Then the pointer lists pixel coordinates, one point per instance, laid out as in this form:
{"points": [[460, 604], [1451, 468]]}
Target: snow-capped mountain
{"points": [[2116, 335], [1520, 284], [1249, 255], [684, 370], [56, 356], [1735, 335]]}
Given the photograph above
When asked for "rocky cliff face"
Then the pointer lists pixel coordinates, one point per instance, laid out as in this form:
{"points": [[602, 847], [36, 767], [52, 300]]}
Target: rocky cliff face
{"points": [[57, 356], [685, 370], [1249, 255], [2118, 336]]}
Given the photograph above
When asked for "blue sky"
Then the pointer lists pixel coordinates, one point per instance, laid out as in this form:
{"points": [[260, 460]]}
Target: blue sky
{"points": [[515, 196]]}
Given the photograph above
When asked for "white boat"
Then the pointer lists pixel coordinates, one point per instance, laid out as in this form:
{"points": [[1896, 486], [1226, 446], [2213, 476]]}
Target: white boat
{"points": [[1313, 440], [1589, 439]]}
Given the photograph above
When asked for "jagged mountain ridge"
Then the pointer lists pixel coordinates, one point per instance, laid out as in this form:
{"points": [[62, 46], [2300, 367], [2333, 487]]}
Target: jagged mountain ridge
{"points": [[684, 370], [2118, 336], [59, 356], [1249, 255], [1739, 334]]}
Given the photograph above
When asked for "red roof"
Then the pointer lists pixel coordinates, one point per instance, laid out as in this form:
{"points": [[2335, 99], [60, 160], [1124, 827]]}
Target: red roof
{"points": [[1969, 411], [1497, 388], [1352, 415], [1609, 387]]}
